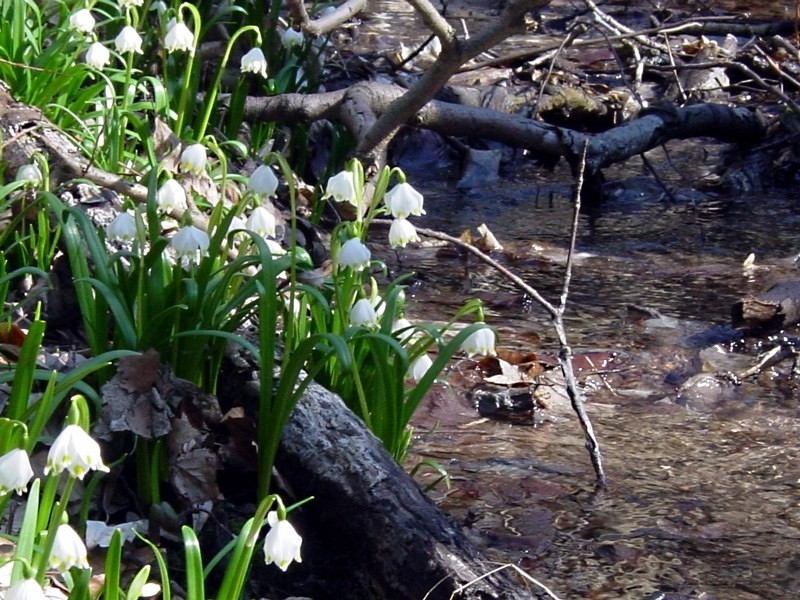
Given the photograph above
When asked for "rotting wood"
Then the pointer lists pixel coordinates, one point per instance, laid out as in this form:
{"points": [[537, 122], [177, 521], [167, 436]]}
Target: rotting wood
{"points": [[369, 513]]}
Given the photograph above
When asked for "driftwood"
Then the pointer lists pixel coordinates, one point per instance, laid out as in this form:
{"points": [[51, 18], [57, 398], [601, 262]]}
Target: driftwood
{"points": [[369, 525], [776, 308], [358, 105]]}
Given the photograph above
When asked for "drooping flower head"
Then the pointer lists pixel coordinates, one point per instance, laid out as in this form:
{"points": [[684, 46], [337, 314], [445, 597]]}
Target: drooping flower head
{"points": [[401, 233], [75, 451], [255, 62], [171, 196], [30, 174], [282, 543], [97, 56], [25, 589], [481, 341], [363, 314], [68, 550], [262, 222], [190, 243], [263, 182], [15, 472], [128, 40], [342, 188], [291, 38], [194, 158], [130, 3], [179, 38], [122, 228], [419, 367], [354, 254], [82, 21], [403, 200]]}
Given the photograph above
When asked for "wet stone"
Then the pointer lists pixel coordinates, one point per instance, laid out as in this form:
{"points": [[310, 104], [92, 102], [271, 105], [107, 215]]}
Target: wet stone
{"points": [[515, 404]]}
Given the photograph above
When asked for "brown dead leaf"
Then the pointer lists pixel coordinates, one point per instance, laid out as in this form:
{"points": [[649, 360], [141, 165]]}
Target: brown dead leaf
{"points": [[139, 373]]}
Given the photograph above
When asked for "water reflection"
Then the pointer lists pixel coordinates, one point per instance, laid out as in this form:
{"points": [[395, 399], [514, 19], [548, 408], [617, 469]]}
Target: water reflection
{"points": [[703, 503]]}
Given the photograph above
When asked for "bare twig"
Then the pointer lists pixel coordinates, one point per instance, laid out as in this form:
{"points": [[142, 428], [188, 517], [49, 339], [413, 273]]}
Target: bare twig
{"points": [[522, 573], [556, 316], [327, 22]]}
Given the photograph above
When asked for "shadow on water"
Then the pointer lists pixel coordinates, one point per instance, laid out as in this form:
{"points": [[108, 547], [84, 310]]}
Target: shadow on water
{"points": [[702, 501]]}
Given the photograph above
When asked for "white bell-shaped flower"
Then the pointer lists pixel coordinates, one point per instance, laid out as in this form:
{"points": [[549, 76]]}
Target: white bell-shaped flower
{"points": [[171, 196], [82, 21], [179, 38], [419, 367], [122, 228], [97, 56], [354, 254], [262, 222], [130, 3], [15, 472], [255, 62], [194, 158], [75, 451], [291, 38], [30, 174], [68, 550], [481, 341], [401, 233], [25, 589], [282, 543], [363, 314], [403, 200], [263, 182], [342, 188], [190, 242], [128, 40]]}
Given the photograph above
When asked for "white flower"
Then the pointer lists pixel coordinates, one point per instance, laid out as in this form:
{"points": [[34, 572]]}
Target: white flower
{"points": [[355, 254], [122, 228], [68, 550], [255, 62], [263, 182], [189, 242], [275, 248], [342, 188], [291, 38], [30, 174], [262, 222], [401, 233], [480, 342], [75, 451], [160, 7], [15, 472], [179, 38], [25, 589], [82, 21], [193, 158], [363, 313], [128, 41], [171, 196], [419, 367], [403, 200], [97, 56], [282, 544], [130, 3]]}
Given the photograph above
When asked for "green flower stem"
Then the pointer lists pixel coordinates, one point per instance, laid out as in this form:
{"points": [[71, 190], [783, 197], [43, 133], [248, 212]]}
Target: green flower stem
{"points": [[186, 91], [59, 508], [211, 96], [236, 572]]}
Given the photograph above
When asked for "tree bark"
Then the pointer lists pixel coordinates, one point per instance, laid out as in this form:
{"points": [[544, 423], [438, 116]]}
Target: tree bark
{"points": [[369, 523]]}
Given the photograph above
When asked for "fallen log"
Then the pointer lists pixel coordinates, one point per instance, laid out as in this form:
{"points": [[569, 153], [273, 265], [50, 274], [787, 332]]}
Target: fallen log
{"points": [[370, 527]]}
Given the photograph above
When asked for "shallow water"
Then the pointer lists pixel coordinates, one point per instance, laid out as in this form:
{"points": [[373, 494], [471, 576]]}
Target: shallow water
{"points": [[703, 501]]}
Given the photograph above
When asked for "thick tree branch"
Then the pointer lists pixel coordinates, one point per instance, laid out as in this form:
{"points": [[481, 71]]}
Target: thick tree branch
{"points": [[454, 55]]}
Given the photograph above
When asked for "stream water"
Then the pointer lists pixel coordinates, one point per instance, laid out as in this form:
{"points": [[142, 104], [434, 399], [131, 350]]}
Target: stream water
{"points": [[703, 499]]}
